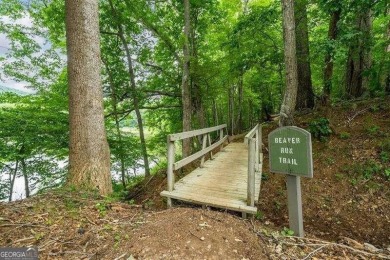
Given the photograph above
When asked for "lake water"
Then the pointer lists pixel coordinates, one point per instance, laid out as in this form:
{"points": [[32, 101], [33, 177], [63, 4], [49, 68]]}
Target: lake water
{"points": [[19, 189]]}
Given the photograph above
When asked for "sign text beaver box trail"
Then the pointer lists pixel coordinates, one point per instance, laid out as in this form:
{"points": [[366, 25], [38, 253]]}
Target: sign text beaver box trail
{"points": [[290, 153]]}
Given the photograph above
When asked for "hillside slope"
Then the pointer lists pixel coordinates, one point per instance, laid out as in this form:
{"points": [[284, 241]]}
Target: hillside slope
{"points": [[65, 224], [350, 192], [346, 208], [4, 89], [349, 195]]}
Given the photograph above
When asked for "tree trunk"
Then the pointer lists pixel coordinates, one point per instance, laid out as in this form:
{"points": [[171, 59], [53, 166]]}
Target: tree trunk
{"points": [[231, 109], [89, 154], [25, 176], [305, 96], [328, 71], [197, 95], [290, 59], [281, 78], [215, 113], [239, 124], [359, 57], [186, 87], [12, 180], [133, 91], [387, 51]]}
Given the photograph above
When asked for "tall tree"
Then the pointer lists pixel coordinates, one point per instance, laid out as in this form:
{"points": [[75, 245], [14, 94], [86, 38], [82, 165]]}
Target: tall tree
{"points": [[305, 96], [89, 155], [133, 87], [387, 52], [197, 97], [186, 87], [359, 55], [332, 35], [290, 59]]}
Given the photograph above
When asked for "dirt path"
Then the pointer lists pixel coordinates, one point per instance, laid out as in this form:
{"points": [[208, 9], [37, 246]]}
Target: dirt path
{"points": [[68, 225]]}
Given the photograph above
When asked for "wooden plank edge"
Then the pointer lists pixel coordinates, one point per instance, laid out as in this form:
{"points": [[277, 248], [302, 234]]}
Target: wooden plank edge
{"points": [[245, 209]]}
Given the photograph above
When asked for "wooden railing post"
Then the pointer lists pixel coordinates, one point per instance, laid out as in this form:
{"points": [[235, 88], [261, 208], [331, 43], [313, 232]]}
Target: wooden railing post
{"points": [[204, 145], [220, 138], [251, 172], [170, 175], [211, 152], [257, 149]]}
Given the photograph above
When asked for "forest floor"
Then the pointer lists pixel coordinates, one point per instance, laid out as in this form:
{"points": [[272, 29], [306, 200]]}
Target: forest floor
{"points": [[346, 208]]}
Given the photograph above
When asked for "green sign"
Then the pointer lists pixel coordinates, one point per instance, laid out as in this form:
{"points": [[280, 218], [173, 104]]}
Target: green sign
{"points": [[290, 151]]}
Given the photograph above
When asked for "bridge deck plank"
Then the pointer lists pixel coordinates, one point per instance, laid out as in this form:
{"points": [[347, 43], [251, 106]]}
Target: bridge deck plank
{"points": [[221, 183]]}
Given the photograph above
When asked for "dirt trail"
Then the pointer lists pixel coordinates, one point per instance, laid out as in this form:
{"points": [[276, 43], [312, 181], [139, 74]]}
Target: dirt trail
{"points": [[68, 225]]}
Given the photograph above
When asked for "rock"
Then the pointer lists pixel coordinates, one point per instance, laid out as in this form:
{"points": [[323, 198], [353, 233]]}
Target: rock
{"points": [[371, 248], [131, 257], [278, 249], [352, 242]]}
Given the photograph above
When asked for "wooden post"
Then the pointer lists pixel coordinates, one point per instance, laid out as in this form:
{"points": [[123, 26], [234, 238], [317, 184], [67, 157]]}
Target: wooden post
{"points": [[251, 173], [260, 153], [170, 175], [294, 198], [204, 145], [260, 133], [257, 149], [211, 153], [220, 138]]}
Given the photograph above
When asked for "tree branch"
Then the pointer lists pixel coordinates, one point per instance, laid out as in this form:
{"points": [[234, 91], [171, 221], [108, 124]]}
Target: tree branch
{"points": [[109, 33], [162, 93]]}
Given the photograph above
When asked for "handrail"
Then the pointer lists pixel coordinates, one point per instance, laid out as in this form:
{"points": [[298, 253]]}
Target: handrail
{"points": [[255, 160], [197, 155], [188, 134], [251, 134], [206, 138]]}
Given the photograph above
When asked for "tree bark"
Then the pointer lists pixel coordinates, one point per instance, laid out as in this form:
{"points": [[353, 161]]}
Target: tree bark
{"points": [[328, 71], [305, 96], [197, 95], [215, 113], [89, 154], [239, 124], [231, 109], [387, 51], [134, 94], [359, 56], [12, 180], [186, 87], [290, 94]]}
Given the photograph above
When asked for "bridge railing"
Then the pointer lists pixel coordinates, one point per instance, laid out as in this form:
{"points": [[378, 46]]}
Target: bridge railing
{"points": [[206, 139], [255, 160]]}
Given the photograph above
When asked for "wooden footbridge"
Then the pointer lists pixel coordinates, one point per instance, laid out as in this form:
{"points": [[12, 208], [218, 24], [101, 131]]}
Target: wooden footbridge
{"points": [[230, 180]]}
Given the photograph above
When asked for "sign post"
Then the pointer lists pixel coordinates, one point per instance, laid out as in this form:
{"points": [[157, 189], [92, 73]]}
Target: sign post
{"points": [[290, 153]]}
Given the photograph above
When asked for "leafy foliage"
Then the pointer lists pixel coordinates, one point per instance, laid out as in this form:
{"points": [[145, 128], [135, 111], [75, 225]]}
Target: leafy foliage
{"points": [[237, 73], [320, 128]]}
